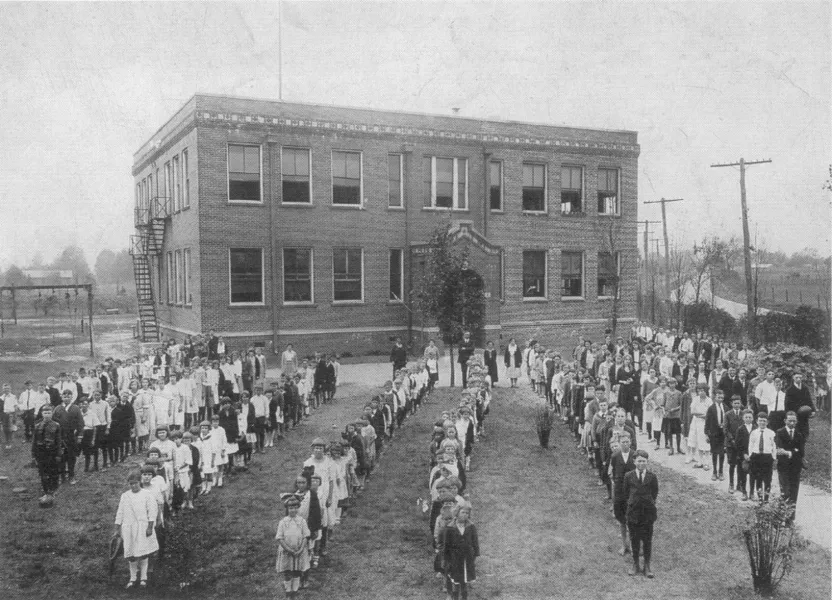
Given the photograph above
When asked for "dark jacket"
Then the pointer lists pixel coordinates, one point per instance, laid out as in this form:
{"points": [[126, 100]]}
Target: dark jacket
{"points": [[459, 551], [795, 445], [641, 497], [466, 349], [715, 432], [795, 398], [731, 424], [741, 438], [47, 441], [398, 356], [228, 421], [620, 469], [71, 421], [518, 357]]}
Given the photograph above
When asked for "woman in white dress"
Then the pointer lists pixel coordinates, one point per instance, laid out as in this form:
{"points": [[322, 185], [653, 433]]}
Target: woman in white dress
{"points": [[135, 519], [697, 441], [289, 361]]}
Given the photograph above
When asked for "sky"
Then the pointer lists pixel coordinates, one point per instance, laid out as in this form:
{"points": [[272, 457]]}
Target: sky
{"points": [[85, 84]]}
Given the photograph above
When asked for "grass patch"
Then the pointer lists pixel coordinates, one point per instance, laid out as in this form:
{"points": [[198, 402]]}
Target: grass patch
{"points": [[819, 454]]}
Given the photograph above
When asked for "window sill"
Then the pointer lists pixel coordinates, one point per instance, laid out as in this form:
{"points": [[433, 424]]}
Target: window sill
{"points": [[496, 211], [396, 208], [603, 214], [347, 206], [246, 202], [607, 298], [297, 204], [395, 302], [572, 298], [443, 209], [573, 214], [347, 302], [247, 305], [300, 305], [536, 213], [534, 299]]}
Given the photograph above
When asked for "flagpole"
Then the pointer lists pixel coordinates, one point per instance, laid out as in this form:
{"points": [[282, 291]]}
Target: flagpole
{"points": [[279, 53]]}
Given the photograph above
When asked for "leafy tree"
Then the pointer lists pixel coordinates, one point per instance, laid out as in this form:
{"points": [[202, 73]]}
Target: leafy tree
{"points": [[450, 293], [14, 276], [72, 258]]}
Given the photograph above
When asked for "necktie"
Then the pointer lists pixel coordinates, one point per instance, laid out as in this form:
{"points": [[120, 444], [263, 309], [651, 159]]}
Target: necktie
{"points": [[791, 433], [641, 476], [761, 441], [719, 412]]}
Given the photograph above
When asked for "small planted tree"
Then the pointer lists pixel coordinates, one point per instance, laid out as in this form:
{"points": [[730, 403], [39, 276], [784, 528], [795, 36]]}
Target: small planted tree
{"points": [[772, 542], [449, 293], [544, 419]]}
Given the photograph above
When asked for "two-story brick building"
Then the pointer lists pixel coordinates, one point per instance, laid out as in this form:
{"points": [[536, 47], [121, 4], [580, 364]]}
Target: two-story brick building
{"points": [[282, 222]]}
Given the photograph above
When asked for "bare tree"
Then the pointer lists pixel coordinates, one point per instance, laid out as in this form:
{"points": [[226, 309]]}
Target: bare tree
{"points": [[708, 255], [610, 262], [679, 277]]}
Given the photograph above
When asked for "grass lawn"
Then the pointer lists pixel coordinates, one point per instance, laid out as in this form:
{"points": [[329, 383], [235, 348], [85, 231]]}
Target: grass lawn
{"points": [[545, 531], [819, 454]]}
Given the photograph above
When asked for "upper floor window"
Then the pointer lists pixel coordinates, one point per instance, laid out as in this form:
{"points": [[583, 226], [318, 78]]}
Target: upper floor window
{"points": [[295, 169], [534, 187], [395, 180], [571, 190], [186, 188], [346, 177], [446, 182], [495, 185], [608, 191], [244, 173], [177, 184]]}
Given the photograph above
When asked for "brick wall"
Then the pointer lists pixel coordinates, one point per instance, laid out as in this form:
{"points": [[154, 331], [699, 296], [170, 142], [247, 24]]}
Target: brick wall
{"points": [[376, 228]]}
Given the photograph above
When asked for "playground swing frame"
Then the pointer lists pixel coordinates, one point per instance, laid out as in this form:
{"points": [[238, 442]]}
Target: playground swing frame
{"points": [[67, 286]]}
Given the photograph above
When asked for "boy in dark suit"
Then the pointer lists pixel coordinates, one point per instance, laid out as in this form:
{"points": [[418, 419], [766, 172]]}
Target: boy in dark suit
{"points": [[621, 463], [715, 432], [641, 487], [733, 421], [741, 440], [790, 444]]}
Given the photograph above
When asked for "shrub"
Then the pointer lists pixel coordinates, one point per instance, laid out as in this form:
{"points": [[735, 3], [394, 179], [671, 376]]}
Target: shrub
{"points": [[771, 542], [806, 327]]}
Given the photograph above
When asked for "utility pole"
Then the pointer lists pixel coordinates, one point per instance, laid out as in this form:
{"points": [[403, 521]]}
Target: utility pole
{"points": [[646, 252], [663, 202], [746, 239]]}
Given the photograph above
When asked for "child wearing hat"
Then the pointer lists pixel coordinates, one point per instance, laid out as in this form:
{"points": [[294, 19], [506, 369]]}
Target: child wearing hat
{"points": [[165, 447], [135, 519], [293, 547]]}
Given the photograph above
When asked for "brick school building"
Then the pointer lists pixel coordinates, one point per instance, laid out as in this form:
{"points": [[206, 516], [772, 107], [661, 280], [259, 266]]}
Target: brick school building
{"points": [[275, 222]]}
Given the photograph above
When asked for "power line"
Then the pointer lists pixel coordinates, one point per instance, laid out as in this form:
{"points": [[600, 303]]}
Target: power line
{"points": [[664, 202]]}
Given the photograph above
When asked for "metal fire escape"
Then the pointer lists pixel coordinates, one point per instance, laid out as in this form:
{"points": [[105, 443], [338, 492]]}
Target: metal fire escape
{"points": [[149, 220]]}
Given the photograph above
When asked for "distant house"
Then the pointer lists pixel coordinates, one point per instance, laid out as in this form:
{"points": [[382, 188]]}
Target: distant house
{"points": [[49, 276]]}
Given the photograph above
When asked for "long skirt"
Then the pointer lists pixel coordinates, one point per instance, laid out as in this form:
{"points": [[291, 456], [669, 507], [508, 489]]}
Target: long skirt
{"points": [[288, 562], [696, 438]]}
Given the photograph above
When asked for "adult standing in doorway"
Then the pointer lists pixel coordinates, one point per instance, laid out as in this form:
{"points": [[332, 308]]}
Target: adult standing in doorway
{"points": [[398, 356]]}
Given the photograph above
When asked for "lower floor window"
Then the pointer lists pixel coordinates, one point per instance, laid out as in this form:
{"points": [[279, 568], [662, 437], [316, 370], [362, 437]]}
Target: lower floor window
{"points": [[246, 275], [572, 270], [347, 271]]}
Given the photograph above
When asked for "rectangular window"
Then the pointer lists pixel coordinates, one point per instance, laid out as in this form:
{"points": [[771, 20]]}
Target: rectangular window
{"points": [[166, 199], [534, 273], [155, 192], [572, 274], [243, 173], [534, 187], [139, 199], [571, 190], [294, 169], [297, 275], [395, 180], [608, 191], [186, 277], [177, 185], [446, 182], [245, 274], [170, 279], [186, 188], [149, 193], [178, 272], [396, 275], [346, 177], [608, 270], [495, 185], [347, 274]]}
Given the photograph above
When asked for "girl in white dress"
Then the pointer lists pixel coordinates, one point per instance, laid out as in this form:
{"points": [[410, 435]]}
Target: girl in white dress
{"points": [[341, 491], [166, 448], [219, 442], [135, 521], [143, 407], [182, 462], [293, 551], [324, 469], [161, 406], [206, 456]]}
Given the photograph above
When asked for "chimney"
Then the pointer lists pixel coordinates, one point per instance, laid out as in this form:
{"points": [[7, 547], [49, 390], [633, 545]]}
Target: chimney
{"points": [[455, 110]]}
